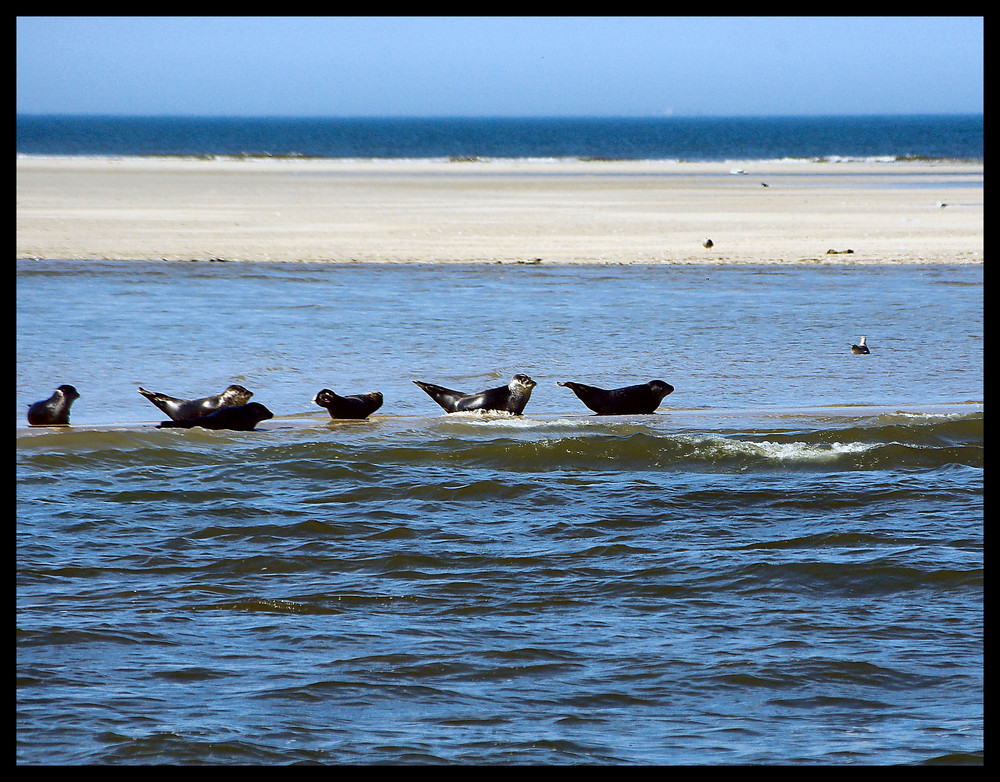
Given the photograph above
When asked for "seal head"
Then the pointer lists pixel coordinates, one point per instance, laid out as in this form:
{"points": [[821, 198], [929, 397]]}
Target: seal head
{"points": [[53, 411]]}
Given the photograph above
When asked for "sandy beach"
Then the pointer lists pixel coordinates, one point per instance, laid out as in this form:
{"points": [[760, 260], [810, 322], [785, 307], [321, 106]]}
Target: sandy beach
{"points": [[498, 211]]}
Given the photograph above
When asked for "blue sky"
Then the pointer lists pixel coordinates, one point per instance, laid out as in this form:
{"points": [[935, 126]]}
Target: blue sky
{"points": [[499, 66]]}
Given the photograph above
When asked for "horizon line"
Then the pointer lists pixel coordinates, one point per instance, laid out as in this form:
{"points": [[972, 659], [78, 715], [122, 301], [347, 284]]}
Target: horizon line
{"points": [[103, 115]]}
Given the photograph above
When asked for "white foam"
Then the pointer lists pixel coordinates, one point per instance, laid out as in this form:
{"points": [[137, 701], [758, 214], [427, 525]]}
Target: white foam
{"points": [[782, 452]]}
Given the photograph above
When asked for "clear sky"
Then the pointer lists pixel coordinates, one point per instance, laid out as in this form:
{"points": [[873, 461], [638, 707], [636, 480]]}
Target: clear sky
{"points": [[499, 66]]}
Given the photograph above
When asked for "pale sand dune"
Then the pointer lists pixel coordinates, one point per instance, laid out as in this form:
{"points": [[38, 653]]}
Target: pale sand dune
{"points": [[489, 211]]}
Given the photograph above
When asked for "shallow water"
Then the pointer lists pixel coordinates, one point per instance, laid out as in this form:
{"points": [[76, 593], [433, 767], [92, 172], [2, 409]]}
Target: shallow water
{"points": [[723, 336], [783, 565]]}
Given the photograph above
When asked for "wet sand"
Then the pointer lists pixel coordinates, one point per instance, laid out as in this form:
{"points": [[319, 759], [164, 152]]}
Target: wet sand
{"points": [[398, 211]]}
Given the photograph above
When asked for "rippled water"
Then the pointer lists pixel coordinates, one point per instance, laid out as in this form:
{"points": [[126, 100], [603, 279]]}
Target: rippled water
{"points": [[783, 565]]}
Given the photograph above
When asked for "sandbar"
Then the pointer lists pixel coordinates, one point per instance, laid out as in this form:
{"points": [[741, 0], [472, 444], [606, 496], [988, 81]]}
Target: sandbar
{"points": [[500, 211]]}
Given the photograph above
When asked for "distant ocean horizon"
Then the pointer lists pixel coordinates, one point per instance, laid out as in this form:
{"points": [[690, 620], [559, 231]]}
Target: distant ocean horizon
{"points": [[697, 139]]}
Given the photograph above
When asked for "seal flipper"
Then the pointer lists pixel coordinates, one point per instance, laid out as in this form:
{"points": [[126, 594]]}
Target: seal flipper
{"points": [[445, 397], [162, 401], [589, 395]]}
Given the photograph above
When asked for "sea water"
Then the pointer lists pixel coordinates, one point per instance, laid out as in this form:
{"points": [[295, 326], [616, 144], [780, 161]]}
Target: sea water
{"points": [[784, 564], [870, 138]]}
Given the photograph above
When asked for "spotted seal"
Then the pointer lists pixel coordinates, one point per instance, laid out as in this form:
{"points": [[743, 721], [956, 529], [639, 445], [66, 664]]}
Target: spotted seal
{"points": [[510, 398], [629, 400], [355, 406], [186, 409], [53, 411]]}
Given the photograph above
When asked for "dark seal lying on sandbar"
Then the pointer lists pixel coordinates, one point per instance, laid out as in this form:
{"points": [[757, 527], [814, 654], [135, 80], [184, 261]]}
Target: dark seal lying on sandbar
{"points": [[510, 398], [53, 411], [241, 418], [629, 400], [355, 406]]}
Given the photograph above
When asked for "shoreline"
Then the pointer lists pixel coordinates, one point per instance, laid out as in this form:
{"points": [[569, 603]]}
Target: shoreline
{"points": [[321, 421], [421, 210]]}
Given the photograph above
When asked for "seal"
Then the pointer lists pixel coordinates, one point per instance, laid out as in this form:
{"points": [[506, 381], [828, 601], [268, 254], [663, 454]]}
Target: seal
{"points": [[861, 348], [242, 418], [510, 398], [186, 409], [53, 411], [629, 400], [356, 406]]}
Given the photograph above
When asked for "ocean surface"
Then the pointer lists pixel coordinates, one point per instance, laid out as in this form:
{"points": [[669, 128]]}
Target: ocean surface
{"points": [[869, 138], [783, 565]]}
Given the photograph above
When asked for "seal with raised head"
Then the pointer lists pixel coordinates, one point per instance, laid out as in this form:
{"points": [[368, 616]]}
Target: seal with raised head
{"points": [[186, 409], [629, 400], [510, 398], [53, 411], [355, 406], [242, 418], [861, 348]]}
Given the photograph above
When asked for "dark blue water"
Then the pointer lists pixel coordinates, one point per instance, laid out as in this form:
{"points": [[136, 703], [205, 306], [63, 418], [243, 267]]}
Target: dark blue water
{"points": [[692, 139], [785, 564]]}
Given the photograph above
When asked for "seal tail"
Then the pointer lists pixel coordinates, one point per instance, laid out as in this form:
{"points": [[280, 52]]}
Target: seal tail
{"points": [[445, 397], [165, 404], [157, 399], [585, 394]]}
